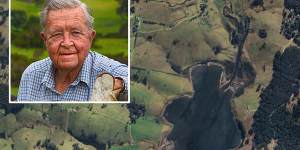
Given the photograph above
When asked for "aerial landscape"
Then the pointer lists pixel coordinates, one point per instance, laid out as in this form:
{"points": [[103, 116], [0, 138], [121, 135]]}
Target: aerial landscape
{"points": [[226, 71], [205, 75]]}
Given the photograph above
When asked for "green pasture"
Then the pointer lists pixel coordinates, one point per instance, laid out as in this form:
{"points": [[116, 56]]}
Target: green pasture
{"points": [[106, 18], [165, 84], [5, 144], [8, 124], [111, 46], [126, 147], [31, 9], [153, 101], [146, 129], [104, 124], [27, 138]]}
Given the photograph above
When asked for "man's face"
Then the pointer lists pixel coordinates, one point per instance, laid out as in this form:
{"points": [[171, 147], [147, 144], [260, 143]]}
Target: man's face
{"points": [[67, 38]]}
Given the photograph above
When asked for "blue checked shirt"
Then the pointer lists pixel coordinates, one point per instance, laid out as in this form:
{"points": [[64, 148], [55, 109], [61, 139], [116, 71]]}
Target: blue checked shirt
{"points": [[37, 82]]}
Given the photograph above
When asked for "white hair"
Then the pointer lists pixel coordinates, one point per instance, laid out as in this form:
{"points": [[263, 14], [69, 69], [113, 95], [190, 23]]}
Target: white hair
{"points": [[61, 4]]}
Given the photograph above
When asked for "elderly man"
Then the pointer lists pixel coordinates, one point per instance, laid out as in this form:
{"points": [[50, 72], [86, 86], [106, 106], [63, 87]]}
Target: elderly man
{"points": [[70, 71]]}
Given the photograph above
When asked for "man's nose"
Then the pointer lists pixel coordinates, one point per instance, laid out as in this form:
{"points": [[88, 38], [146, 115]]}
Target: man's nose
{"points": [[67, 41]]}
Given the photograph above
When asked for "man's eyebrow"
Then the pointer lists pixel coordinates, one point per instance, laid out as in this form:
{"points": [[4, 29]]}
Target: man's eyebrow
{"points": [[54, 28], [76, 28]]}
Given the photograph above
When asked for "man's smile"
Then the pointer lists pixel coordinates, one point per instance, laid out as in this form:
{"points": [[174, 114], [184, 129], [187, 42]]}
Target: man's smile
{"points": [[68, 53], [68, 56]]}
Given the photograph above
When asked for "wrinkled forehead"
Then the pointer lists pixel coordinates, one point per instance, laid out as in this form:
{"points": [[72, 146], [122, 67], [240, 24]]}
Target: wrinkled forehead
{"points": [[66, 16]]}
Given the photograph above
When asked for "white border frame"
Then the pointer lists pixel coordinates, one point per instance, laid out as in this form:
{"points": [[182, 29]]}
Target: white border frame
{"points": [[67, 102]]}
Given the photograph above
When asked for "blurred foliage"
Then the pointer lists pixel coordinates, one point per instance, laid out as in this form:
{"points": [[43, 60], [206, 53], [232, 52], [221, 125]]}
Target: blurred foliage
{"points": [[18, 19], [110, 24], [27, 38], [123, 7], [20, 62]]}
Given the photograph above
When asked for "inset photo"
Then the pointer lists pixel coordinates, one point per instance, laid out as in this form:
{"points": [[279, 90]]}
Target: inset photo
{"points": [[74, 51]]}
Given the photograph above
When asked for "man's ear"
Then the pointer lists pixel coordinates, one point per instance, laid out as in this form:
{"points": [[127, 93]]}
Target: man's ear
{"points": [[93, 34], [43, 36]]}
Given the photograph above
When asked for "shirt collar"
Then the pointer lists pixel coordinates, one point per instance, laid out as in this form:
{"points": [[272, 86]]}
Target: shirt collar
{"points": [[85, 73], [48, 79], [83, 76]]}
